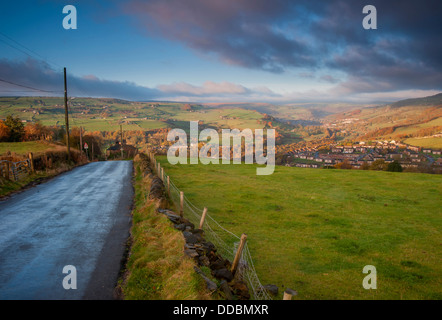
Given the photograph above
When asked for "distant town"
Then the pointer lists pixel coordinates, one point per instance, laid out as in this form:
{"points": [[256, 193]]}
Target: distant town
{"points": [[363, 155]]}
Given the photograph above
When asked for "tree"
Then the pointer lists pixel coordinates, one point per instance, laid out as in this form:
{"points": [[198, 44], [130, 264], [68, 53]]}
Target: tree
{"points": [[4, 132], [378, 165], [394, 167], [35, 131], [16, 128], [344, 165], [365, 166]]}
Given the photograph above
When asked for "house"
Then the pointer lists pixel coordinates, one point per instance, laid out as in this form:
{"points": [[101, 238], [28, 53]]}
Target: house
{"points": [[115, 150]]}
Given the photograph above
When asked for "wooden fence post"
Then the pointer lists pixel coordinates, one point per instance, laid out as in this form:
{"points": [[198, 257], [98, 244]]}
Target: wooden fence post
{"points": [[238, 253], [159, 170], [203, 217], [168, 185], [288, 294], [162, 174], [31, 160], [7, 170], [181, 203]]}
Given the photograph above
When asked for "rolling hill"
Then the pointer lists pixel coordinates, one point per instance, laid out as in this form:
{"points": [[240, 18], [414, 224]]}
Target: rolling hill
{"points": [[418, 121], [402, 120]]}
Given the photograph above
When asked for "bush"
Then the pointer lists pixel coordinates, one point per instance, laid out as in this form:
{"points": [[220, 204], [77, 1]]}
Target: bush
{"points": [[394, 167], [54, 159], [16, 129], [379, 165], [344, 165]]}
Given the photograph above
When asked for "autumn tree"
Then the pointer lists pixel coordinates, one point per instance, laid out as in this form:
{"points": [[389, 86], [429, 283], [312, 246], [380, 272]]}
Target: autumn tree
{"points": [[16, 128], [4, 132], [344, 165], [378, 165], [35, 131]]}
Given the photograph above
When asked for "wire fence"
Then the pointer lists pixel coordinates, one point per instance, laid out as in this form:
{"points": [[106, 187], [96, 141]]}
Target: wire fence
{"points": [[225, 241]]}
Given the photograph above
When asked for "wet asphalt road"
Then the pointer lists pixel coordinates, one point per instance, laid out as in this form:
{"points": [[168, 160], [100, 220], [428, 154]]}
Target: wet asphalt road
{"points": [[79, 218]]}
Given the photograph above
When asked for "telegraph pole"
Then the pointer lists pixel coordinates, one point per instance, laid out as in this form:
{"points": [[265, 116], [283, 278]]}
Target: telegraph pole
{"points": [[121, 138], [81, 141], [66, 115]]}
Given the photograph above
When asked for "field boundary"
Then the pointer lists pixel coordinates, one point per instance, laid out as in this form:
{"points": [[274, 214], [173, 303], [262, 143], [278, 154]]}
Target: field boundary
{"points": [[15, 170], [226, 242]]}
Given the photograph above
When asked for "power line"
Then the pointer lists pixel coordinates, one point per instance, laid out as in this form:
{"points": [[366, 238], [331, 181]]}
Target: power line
{"points": [[23, 86], [26, 48]]}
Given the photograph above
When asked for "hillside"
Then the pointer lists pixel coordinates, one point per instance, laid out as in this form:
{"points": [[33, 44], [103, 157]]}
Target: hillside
{"points": [[435, 100], [418, 121], [107, 114], [412, 118]]}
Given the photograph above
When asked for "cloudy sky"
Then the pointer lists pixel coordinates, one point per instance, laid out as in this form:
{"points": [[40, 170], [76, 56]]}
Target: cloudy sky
{"points": [[223, 50]]}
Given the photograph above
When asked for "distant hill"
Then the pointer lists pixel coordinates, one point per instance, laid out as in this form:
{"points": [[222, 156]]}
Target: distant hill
{"points": [[405, 119], [435, 100], [411, 118]]}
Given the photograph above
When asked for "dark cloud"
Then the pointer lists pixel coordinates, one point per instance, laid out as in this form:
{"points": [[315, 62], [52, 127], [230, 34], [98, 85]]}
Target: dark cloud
{"points": [[239, 32], [405, 51], [38, 74]]}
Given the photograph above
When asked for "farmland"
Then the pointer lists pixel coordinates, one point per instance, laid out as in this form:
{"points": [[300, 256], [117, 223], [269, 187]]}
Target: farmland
{"points": [[23, 148], [315, 230], [435, 143], [109, 114]]}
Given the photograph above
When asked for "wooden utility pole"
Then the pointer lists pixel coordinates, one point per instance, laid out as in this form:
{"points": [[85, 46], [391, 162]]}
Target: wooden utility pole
{"points": [[121, 138], [81, 141], [66, 115]]}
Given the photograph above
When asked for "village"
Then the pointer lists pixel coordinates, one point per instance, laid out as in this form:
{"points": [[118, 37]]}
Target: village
{"points": [[362, 155]]}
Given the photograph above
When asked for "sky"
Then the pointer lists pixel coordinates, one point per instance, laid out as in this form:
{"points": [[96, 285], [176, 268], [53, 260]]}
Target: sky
{"points": [[275, 51]]}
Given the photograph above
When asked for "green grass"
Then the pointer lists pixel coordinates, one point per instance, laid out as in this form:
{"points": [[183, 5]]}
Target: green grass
{"points": [[314, 230], [23, 148], [8, 186], [157, 268], [106, 114], [425, 142]]}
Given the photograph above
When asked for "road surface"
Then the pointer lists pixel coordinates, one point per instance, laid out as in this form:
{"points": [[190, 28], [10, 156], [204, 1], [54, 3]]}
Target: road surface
{"points": [[80, 218]]}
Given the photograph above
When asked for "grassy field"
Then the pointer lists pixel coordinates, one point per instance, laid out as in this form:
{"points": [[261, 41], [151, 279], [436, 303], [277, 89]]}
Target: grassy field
{"points": [[23, 148], [425, 142], [108, 114], [20, 150], [314, 230]]}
